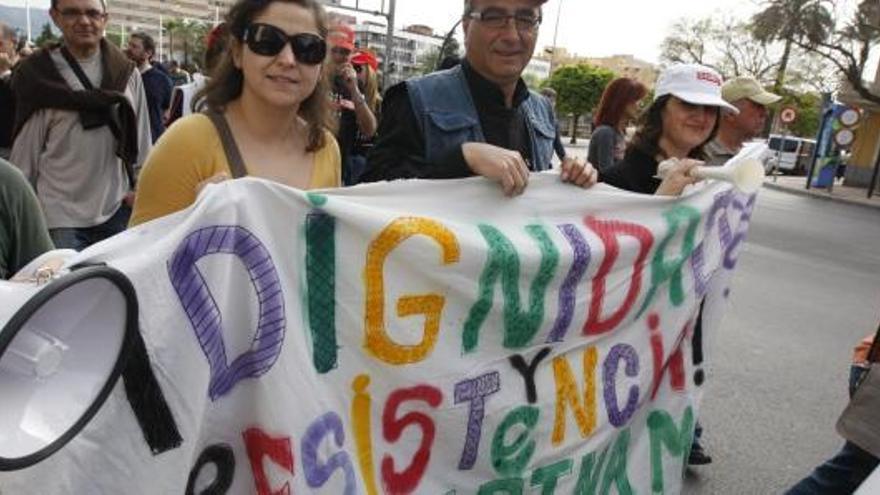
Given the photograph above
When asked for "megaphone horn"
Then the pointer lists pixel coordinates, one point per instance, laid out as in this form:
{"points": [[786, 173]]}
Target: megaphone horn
{"points": [[62, 349], [746, 175]]}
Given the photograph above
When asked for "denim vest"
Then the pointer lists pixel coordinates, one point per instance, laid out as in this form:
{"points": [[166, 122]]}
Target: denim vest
{"points": [[447, 117]]}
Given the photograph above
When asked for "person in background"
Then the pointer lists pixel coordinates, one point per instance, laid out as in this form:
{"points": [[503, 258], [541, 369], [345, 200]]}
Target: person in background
{"points": [[82, 128], [178, 76], [734, 129], [267, 115], [8, 59], [366, 66], [675, 128], [747, 95], [851, 465], [449, 62], [550, 94], [23, 233], [355, 116], [25, 49], [157, 85], [478, 118], [618, 107], [182, 96]]}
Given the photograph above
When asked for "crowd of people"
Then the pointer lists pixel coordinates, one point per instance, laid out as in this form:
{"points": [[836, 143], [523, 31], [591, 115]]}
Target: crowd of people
{"points": [[99, 139]]}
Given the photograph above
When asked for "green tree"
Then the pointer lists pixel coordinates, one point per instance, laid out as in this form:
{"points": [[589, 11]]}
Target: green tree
{"points": [[198, 35], [533, 81], [172, 26], [46, 37], [792, 22], [726, 45], [114, 37], [578, 89], [452, 49], [809, 112], [850, 47], [427, 61]]}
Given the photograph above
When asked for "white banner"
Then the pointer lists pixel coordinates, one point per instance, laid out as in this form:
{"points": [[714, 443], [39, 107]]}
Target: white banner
{"points": [[428, 337]]}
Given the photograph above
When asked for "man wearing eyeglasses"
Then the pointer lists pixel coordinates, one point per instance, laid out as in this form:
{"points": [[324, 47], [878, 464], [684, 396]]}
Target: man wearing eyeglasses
{"points": [[478, 118], [82, 128]]}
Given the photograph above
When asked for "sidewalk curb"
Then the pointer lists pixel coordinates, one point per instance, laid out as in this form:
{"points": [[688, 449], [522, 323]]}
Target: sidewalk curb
{"points": [[820, 195]]}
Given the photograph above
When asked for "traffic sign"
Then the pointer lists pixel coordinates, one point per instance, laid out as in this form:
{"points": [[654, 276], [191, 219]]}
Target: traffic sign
{"points": [[787, 115], [844, 137], [850, 117]]}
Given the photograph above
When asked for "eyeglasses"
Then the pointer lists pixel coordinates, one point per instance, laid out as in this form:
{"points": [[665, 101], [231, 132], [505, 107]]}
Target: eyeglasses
{"points": [[268, 41], [524, 20], [93, 15]]}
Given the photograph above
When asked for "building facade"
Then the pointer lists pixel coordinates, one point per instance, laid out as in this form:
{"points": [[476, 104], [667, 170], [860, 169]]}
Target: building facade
{"points": [[412, 46], [865, 156], [621, 65], [128, 16]]}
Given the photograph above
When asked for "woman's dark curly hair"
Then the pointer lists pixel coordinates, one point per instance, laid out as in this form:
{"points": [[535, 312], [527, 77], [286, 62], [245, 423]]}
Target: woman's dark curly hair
{"points": [[650, 128], [227, 80]]}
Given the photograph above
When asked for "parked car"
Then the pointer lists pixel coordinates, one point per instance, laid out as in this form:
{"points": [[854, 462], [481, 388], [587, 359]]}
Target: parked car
{"points": [[791, 154]]}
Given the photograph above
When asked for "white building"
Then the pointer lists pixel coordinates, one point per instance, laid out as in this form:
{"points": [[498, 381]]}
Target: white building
{"points": [[538, 68], [411, 45]]}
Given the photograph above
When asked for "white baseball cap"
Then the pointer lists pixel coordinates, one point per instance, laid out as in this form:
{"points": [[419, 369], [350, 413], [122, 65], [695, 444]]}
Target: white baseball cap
{"points": [[693, 83]]}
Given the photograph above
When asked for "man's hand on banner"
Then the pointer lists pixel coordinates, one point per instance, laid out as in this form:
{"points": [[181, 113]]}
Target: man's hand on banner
{"points": [[579, 173], [499, 164]]}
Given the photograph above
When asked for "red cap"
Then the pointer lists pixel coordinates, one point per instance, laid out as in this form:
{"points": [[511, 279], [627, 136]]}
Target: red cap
{"points": [[342, 36], [365, 57]]}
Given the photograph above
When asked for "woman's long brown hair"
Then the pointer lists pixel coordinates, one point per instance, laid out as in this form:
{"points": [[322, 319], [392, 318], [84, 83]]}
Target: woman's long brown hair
{"points": [[227, 80]]}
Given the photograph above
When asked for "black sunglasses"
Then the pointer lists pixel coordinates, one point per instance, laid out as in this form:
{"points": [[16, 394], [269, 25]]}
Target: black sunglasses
{"points": [[268, 40]]}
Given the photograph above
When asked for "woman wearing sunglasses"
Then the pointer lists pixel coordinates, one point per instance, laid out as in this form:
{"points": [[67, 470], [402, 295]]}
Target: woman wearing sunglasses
{"points": [[267, 115]]}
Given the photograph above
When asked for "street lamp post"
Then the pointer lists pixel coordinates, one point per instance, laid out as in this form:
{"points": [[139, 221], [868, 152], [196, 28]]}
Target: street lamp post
{"points": [[389, 44], [27, 9], [555, 34], [161, 25]]}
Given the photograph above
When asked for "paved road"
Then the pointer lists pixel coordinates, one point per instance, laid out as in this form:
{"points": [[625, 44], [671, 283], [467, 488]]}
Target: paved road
{"points": [[807, 288]]}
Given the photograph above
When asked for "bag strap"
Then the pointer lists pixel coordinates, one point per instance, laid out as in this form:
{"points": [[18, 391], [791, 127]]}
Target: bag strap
{"points": [[233, 155], [84, 80], [74, 65], [874, 352]]}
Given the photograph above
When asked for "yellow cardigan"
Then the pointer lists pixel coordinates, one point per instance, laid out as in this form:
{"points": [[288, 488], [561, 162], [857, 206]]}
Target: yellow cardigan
{"points": [[189, 152]]}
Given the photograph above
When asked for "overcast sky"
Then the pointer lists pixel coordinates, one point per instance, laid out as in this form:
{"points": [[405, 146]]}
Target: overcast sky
{"points": [[594, 27]]}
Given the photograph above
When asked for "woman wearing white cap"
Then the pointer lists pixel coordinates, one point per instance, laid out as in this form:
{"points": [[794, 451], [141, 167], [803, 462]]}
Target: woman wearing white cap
{"points": [[681, 120]]}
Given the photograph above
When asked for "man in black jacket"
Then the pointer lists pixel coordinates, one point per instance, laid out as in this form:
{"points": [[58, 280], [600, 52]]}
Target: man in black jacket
{"points": [[478, 118]]}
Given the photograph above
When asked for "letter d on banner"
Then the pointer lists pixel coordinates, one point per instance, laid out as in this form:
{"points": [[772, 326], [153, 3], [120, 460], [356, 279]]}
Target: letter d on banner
{"points": [[204, 315]]}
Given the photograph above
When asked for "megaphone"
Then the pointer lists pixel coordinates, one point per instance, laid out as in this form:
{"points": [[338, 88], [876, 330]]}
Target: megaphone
{"points": [[746, 175], [62, 349]]}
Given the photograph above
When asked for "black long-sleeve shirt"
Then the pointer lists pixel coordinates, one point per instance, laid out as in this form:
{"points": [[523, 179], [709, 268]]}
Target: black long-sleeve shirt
{"points": [[399, 152], [636, 172]]}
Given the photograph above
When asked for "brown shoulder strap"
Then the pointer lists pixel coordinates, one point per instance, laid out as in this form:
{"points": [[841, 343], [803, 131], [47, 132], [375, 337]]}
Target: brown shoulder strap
{"points": [[233, 156], [874, 352]]}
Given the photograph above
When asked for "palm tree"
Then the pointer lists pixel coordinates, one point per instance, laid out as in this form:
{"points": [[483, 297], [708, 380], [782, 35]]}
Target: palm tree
{"points": [[792, 21], [172, 26], [187, 30]]}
